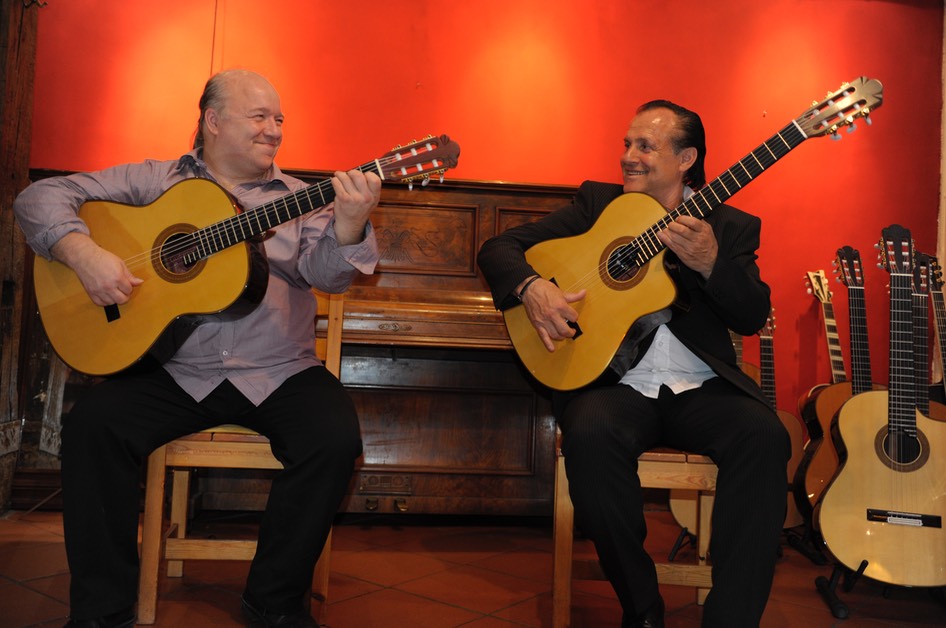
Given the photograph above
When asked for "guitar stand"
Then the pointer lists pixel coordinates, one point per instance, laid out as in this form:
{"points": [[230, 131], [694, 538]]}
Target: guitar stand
{"points": [[804, 544], [683, 538], [827, 588]]}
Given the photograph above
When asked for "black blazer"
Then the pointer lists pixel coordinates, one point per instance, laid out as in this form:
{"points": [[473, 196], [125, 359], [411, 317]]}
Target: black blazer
{"points": [[734, 297]]}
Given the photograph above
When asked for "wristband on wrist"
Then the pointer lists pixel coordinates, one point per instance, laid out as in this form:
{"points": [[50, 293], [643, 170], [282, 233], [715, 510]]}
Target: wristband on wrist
{"points": [[527, 284]]}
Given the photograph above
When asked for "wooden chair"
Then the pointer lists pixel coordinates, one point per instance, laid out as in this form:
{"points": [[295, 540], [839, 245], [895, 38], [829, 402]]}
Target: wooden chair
{"points": [[662, 468], [225, 446]]}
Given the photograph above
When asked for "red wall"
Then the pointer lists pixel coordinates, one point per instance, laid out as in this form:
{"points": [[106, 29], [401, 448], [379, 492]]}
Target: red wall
{"points": [[541, 91]]}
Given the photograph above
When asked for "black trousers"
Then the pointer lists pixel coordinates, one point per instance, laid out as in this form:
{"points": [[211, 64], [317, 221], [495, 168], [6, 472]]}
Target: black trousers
{"points": [[313, 428], [604, 431]]}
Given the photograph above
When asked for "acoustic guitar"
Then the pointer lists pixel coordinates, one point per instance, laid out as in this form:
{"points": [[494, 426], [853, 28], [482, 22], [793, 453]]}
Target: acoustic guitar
{"points": [[882, 515], [922, 282], [796, 431], [620, 260], [184, 246], [939, 311], [821, 466], [817, 283]]}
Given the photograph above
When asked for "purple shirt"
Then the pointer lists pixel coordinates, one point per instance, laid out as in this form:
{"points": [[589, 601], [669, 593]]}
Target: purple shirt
{"points": [[256, 352]]}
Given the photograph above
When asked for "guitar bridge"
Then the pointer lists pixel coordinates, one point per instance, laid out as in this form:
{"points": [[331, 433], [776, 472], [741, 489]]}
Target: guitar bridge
{"points": [[111, 312], [573, 324], [912, 519]]}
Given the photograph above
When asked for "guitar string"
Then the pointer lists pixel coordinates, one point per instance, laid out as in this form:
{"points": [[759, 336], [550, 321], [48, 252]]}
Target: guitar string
{"points": [[639, 251], [218, 235]]}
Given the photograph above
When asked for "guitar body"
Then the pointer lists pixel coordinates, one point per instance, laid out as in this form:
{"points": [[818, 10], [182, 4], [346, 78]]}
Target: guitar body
{"points": [[612, 303], [95, 341], [796, 432], [824, 462], [905, 555]]}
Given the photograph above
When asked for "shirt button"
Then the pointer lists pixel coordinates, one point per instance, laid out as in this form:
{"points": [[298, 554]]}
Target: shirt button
{"points": [[226, 353]]}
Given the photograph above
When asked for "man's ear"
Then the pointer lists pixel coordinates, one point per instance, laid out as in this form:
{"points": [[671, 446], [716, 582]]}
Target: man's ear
{"points": [[212, 118], [687, 158]]}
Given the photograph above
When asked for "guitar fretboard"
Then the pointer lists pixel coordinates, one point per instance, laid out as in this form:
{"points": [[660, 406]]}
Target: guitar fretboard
{"points": [[710, 196], [901, 398], [838, 374], [921, 323], [251, 223], [767, 368]]}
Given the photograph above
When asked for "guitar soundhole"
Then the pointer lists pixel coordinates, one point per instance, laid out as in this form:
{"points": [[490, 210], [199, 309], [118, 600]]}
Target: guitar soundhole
{"points": [[902, 452], [177, 260], [618, 264]]}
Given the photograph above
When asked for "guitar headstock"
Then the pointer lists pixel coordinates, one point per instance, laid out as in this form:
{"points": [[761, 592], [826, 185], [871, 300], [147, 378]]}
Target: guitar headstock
{"points": [[936, 275], [768, 329], [921, 273], [419, 160], [849, 267], [841, 108], [896, 250], [818, 286]]}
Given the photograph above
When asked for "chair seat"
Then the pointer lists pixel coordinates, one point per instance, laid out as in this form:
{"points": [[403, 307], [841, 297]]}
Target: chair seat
{"points": [[226, 446], [660, 467]]}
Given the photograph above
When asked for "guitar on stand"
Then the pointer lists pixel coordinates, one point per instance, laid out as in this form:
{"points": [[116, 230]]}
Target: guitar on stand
{"points": [[806, 542], [939, 318], [817, 283], [922, 280], [824, 462], [882, 514], [793, 425]]}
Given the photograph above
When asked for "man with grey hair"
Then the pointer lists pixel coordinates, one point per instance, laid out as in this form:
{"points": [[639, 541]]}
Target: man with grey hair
{"points": [[259, 370]]}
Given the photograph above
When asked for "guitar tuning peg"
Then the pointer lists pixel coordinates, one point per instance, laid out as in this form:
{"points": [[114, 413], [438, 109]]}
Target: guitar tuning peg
{"points": [[867, 120], [835, 136], [424, 182], [410, 186], [851, 127]]}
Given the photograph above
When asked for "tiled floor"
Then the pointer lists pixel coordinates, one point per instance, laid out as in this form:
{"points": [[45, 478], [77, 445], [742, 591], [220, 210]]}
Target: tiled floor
{"points": [[399, 572]]}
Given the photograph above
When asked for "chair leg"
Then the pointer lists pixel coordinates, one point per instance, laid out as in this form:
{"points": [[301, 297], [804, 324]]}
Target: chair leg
{"points": [[180, 494], [705, 515], [321, 576], [562, 540], [151, 538]]}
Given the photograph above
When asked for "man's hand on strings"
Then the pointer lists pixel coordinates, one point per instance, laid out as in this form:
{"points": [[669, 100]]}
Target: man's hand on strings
{"points": [[104, 275], [547, 306], [693, 241]]}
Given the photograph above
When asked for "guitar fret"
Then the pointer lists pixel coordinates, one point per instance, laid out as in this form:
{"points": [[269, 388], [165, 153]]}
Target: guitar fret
{"points": [[241, 223], [902, 397], [862, 377], [695, 200], [259, 226]]}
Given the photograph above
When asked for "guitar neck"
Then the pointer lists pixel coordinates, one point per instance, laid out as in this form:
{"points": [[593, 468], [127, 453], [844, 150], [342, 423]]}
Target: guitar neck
{"points": [[767, 368], [838, 374], [720, 189], [921, 323], [861, 376], [939, 323], [901, 410], [253, 222]]}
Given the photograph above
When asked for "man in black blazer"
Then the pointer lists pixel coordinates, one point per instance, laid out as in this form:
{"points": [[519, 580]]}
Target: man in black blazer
{"points": [[674, 381]]}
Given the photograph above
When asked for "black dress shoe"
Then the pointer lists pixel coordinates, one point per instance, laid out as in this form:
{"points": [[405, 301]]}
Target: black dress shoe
{"points": [[122, 619], [256, 616], [653, 617]]}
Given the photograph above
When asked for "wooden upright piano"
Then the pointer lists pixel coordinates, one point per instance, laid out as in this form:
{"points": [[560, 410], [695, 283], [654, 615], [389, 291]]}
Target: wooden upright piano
{"points": [[451, 422]]}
